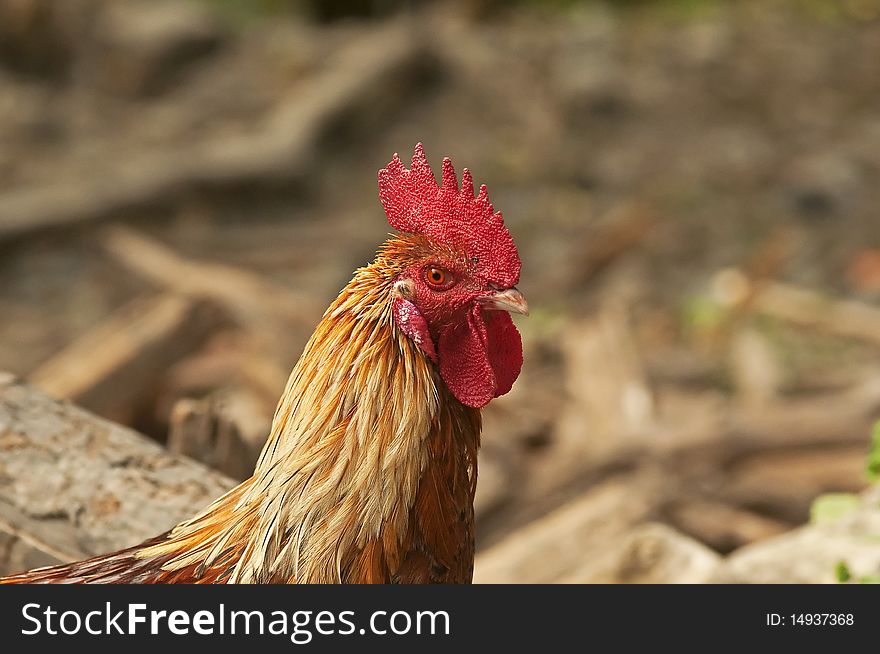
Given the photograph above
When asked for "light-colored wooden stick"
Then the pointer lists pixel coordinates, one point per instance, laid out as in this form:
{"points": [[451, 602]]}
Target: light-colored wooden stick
{"points": [[116, 363], [807, 308], [253, 301]]}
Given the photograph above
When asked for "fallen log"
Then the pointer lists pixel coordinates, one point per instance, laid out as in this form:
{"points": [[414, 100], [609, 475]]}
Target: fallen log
{"points": [[74, 485]]}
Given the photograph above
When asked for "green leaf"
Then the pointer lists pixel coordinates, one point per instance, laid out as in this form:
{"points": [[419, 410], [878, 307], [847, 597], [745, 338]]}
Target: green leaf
{"points": [[844, 575], [841, 571], [872, 468], [703, 314], [832, 506]]}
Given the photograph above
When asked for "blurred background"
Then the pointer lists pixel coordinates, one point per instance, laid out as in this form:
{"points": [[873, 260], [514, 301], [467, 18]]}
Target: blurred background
{"points": [[693, 186]]}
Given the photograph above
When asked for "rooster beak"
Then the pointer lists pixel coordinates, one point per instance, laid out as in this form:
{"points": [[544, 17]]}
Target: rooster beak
{"points": [[510, 299]]}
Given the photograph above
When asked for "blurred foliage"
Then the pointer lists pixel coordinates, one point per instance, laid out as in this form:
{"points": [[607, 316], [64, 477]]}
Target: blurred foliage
{"points": [[830, 507], [702, 315], [832, 10], [844, 575]]}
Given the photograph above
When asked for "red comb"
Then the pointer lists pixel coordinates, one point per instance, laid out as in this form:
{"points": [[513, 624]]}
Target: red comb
{"points": [[415, 203]]}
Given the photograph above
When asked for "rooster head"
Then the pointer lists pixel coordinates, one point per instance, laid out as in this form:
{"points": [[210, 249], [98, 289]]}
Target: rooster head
{"points": [[457, 282]]}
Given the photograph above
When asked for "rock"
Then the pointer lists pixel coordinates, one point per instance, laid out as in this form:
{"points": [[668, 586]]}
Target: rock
{"points": [[651, 554], [547, 550], [812, 553], [721, 526]]}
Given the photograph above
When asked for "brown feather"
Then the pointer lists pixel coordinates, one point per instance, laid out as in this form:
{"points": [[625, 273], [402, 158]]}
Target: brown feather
{"points": [[368, 474]]}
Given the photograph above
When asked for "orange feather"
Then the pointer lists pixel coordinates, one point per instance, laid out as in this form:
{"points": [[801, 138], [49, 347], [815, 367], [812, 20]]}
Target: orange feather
{"points": [[368, 474]]}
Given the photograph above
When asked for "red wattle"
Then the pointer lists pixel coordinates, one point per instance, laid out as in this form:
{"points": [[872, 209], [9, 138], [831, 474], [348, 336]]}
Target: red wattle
{"points": [[505, 349], [480, 357]]}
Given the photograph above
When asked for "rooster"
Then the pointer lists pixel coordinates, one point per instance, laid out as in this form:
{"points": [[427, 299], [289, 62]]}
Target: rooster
{"points": [[369, 472]]}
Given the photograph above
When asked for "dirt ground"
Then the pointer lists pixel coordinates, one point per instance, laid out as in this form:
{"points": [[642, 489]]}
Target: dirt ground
{"points": [[692, 187]]}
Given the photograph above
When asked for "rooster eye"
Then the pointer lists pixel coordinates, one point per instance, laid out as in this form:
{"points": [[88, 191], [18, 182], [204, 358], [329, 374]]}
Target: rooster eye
{"points": [[437, 277]]}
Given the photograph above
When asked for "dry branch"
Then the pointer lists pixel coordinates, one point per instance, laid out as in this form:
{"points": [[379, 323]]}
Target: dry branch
{"points": [[117, 363], [806, 308], [226, 431], [280, 150], [621, 230], [833, 420], [251, 299], [695, 456]]}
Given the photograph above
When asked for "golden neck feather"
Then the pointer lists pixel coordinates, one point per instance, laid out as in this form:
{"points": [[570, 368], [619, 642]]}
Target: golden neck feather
{"points": [[344, 457]]}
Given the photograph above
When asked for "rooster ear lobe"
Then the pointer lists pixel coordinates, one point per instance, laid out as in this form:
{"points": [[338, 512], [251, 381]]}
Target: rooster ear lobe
{"points": [[412, 323], [404, 288]]}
